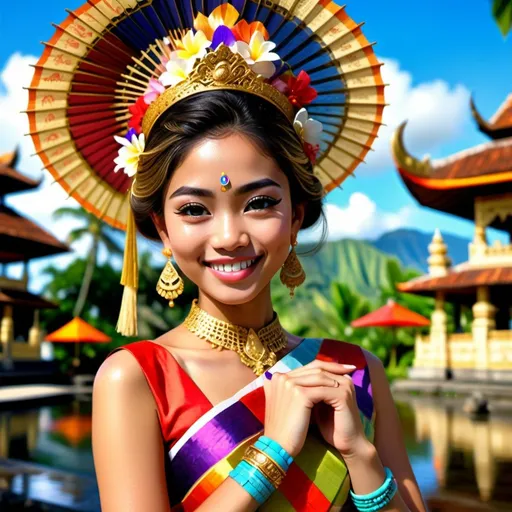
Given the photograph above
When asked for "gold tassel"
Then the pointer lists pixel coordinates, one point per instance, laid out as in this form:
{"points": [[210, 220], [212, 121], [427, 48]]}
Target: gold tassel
{"points": [[127, 321]]}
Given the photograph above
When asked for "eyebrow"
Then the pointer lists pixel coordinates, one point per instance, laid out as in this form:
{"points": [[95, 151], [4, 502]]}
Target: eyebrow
{"points": [[244, 189]]}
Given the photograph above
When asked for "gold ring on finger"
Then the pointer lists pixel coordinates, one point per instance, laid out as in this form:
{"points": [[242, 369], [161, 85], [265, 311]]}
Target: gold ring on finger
{"points": [[336, 383]]}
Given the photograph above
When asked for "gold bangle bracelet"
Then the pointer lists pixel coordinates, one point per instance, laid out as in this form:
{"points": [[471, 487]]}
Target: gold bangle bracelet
{"points": [[269, 467]]}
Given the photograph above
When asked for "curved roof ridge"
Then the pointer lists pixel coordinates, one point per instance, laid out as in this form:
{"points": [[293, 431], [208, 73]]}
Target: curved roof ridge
{"points": [[493, 144]]}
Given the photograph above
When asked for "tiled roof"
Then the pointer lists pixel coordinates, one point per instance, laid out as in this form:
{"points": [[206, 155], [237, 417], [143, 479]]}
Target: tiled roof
{"points": [[22, 239], [24, 298], [460, 277]]}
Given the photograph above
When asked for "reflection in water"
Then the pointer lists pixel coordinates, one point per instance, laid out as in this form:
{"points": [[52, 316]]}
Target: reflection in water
{"points": [[471, 458], [461, 464]]}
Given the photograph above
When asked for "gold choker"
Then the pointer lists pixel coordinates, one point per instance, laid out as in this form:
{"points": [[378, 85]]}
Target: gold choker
{"points": [[257, 350]]}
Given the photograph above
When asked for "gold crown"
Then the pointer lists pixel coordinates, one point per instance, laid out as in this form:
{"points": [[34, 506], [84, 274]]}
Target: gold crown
{"points": [[217, 70]]}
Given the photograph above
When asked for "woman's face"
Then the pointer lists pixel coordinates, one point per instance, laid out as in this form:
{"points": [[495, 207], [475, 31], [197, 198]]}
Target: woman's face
{"points": [[229, 243]]}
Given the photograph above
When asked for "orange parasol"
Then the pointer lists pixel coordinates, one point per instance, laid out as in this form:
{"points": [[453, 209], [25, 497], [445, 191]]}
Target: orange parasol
{"points": [[77, 331], [391, 315], [75, 428]]}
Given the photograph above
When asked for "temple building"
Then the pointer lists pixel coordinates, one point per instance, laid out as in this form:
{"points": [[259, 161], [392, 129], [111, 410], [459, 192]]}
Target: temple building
{"points": [[475, 184], [20, 241]]}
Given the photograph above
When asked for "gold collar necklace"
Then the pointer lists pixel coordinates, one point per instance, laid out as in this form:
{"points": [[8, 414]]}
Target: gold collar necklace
{"points": [[257, 350]]}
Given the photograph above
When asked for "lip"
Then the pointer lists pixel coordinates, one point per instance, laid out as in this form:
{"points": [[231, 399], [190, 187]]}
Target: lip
{"points": [[239, 275]]}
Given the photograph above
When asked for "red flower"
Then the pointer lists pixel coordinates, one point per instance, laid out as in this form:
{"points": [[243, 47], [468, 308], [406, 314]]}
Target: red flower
{"points": [[137, 111], [311, 151], [299, 91]]}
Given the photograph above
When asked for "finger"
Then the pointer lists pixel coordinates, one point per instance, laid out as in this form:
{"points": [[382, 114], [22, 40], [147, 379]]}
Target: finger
{"points": [[329, 366], [315, 379]]}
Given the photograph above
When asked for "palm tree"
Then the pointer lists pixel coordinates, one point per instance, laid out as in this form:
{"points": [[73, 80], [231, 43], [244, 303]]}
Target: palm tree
{"points": [[100, 234]]}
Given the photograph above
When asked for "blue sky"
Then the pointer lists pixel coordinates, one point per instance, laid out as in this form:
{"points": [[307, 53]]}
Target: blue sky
{"points": [[436, 54]]}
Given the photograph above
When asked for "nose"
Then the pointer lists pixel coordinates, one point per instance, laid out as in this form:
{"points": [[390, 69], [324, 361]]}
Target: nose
{"points": [[229, 233]]}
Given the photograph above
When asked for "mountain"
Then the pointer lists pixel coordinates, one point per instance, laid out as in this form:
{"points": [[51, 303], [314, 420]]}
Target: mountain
{"points": [[356, 263], [411, 247]]}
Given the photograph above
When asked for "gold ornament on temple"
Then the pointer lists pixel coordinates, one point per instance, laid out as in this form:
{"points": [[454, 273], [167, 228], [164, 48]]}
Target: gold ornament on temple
{"points": [[257, 350]]}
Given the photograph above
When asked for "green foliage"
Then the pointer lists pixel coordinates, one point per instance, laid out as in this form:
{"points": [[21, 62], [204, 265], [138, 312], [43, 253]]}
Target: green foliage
{"points": [[502, 12], [101, 308]]}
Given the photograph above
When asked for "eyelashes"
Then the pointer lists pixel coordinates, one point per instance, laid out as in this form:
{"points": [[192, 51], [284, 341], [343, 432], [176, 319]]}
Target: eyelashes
{"points": [[199, 210], [263, 199]]}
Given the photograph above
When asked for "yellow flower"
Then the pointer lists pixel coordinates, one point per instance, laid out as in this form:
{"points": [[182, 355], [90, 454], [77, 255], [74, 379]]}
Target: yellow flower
{"points": [[192, 46], [224, 14]]}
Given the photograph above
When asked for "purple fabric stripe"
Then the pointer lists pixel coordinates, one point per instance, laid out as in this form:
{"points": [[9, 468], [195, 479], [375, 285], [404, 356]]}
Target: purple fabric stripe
{"points": [[214, 441], [361, 379]]}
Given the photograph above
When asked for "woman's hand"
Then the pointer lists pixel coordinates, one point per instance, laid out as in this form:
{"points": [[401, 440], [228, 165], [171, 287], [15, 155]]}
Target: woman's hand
{"points": [[338, 419], [290, 398]]}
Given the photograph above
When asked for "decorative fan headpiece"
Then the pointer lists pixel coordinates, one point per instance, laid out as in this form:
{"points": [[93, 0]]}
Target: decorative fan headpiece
{"points": [[114, 66]]}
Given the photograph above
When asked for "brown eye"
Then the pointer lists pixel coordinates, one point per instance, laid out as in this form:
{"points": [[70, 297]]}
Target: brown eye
{"points": [[261, 203], [193, 210]]}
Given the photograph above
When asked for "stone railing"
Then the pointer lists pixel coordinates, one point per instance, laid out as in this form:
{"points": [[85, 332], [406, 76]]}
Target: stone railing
{"points": [[17, 284], [500, 350], [496, 254], [22, 350]]}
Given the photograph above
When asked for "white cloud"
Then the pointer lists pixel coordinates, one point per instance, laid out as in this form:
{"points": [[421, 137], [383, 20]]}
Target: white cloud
{"points": [[436, 113], [360, 219]]}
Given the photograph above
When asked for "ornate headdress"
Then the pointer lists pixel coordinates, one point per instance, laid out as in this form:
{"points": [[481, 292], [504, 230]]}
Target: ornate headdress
{"points": [[113, 67]]}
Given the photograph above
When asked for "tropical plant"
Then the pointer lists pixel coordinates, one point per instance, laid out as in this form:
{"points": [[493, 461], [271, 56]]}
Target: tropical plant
{"points": [[502, 12], [100, 234]]}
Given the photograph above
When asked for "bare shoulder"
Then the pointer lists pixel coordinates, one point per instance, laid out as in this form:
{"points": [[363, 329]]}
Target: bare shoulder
{"points": [[127, 444], [119, 370]]}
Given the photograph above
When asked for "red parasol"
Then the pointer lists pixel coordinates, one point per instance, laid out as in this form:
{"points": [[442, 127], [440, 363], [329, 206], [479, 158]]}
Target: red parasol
{"points": [[77, 331], [391, 315]]}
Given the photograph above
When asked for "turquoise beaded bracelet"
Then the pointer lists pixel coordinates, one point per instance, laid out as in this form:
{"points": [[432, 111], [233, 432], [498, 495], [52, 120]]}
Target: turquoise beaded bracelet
{"points": [[252, 479], [377, 499]]}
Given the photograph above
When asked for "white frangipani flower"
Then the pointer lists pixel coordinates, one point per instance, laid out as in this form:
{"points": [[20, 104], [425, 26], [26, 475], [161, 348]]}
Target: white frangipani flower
{"points": [[129, 153], [310, 130], [258, 54], [176, 70]]}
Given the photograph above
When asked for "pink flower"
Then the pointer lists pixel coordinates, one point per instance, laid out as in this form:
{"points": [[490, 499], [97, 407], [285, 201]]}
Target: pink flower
{"points": [[155, 88]]}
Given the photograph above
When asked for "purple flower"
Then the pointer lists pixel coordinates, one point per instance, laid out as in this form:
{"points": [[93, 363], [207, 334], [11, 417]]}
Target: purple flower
{"points": [[130, 133], [222, 35]]}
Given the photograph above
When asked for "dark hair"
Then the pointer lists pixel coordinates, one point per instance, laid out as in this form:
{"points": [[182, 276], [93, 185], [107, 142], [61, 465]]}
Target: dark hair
{"points": [[215, 114]]}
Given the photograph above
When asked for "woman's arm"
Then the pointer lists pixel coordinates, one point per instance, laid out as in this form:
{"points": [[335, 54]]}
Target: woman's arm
{"points": [[366, 469], [128, 446], [126, 439]]}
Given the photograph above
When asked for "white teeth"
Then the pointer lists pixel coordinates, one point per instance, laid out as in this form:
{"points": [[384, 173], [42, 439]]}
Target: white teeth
{"points": [[235, 267]]}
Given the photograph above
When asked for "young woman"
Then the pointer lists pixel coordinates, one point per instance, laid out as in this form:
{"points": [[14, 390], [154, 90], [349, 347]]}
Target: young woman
{"points": [[224, 166]]}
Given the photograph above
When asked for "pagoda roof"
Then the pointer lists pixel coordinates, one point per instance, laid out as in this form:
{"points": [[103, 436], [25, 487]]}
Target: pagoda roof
{"points": [[21, 239], [452, 184], [17, 297], [500, 124], [11, 180], [460, 281]]}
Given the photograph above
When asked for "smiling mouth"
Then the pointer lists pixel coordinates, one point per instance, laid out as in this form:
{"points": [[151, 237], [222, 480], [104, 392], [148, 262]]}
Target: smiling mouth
{"points": [[233, 267]]}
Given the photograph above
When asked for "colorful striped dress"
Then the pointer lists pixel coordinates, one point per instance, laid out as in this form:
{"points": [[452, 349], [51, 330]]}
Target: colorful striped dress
{"points": [[204, 442]]}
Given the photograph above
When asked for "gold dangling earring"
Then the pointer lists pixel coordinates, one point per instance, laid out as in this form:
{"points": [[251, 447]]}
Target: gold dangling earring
{"points": [[292, 274], [170, 284]]}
